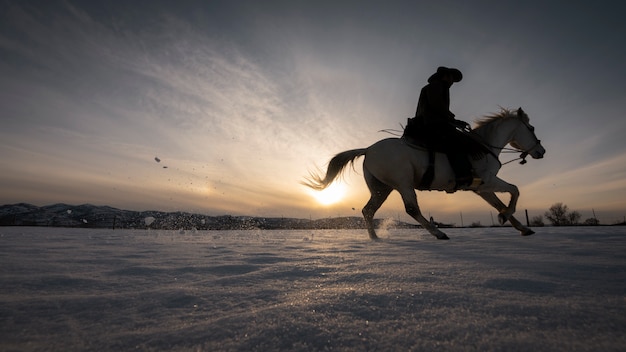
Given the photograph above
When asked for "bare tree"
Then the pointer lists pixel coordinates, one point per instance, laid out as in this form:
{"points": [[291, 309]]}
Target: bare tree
{"points": [[556, 214], [573, 217], [559, 215], [537, 221], [591, 222]]}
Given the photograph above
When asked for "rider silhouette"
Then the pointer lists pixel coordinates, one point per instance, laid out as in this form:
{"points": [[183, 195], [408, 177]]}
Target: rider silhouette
{"points": [[435, 123]]}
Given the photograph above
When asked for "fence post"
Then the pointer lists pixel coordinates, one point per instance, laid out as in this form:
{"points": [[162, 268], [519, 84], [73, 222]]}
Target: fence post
{"points": [[527, 222]]}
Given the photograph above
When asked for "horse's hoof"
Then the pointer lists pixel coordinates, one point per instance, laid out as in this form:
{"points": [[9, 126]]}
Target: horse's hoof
{"points": [[502, 219], [528, 232], [443, 236]]}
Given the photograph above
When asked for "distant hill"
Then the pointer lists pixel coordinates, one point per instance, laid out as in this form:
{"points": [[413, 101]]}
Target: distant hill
{"points": [[92, 216]]}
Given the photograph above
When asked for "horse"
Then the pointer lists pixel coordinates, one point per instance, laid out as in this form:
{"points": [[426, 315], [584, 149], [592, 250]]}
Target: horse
{"points": [[396, 164]]}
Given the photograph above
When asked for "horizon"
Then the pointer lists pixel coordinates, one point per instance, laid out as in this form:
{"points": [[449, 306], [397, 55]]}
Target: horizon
{"points": [[224, 108], [473, 223]]}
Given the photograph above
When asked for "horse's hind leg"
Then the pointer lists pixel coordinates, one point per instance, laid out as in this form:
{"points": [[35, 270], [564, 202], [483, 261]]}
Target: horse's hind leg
{"points": [[379, 193], [495, 202], [410, 205]]}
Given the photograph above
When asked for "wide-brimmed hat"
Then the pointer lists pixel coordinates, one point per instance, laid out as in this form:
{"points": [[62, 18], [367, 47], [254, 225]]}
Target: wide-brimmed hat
{"points": [[457, 76]]}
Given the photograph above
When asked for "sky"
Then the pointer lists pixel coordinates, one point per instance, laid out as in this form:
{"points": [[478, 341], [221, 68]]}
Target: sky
{"points": [[223, 107]]}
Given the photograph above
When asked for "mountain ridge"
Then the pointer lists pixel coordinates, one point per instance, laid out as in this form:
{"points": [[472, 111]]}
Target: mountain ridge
{"points": [[104, 216]]}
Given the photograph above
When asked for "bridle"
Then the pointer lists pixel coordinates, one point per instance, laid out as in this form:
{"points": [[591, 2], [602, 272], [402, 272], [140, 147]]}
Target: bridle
{"points": [[523, 153]]}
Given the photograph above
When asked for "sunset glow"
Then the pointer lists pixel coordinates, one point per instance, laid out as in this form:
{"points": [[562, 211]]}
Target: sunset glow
{"points": [[333, 194], [222, 107]]}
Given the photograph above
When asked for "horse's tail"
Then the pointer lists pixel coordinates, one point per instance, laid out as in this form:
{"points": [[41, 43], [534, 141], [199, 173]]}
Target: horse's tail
{"points": [[336, 166]]}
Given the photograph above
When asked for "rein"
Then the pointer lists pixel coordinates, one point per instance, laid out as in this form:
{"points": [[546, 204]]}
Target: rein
{"points": [[522, 156]]}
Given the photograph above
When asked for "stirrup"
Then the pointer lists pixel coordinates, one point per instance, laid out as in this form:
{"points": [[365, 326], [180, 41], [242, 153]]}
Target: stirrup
{"points": [[473, 184], [476, 181]]}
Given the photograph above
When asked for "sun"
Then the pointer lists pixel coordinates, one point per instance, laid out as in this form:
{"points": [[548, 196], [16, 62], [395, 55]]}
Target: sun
{"points": [[332, 194]]}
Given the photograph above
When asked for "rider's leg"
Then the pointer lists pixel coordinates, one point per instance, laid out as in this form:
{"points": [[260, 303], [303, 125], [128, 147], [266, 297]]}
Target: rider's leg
{"points": [[462, 168]]}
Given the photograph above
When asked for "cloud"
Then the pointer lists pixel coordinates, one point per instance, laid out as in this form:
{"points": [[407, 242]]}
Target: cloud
{"points": [[595, 184]]}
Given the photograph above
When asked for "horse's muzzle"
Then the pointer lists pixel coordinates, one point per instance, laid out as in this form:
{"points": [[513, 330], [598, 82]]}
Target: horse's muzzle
{"points": [[537, 152]]}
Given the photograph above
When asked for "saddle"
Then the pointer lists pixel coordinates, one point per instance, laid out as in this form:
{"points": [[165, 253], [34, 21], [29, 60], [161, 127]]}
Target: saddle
{"points": [[458, 147]]}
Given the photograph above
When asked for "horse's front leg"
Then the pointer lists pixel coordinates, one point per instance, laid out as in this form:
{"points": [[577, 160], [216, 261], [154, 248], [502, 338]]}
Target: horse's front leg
{"points": [[495, 202], [499, 185]]}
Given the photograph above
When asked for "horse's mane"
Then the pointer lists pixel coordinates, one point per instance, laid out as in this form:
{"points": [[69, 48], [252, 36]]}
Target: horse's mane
{"points": [[503, 114]]}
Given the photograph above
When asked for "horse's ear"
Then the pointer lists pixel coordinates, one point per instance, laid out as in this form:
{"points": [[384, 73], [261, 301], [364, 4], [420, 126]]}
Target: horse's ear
{"points": [[520, 112]]}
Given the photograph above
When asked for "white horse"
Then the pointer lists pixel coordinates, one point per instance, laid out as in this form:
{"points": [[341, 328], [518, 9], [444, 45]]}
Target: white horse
{"points": [[394, 164]]}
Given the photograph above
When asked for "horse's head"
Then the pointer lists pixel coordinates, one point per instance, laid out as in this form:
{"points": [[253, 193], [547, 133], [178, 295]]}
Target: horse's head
{"points": [[524, 137]]}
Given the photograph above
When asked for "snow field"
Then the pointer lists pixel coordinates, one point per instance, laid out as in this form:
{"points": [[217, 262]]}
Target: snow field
{"points": [[487, 289]]}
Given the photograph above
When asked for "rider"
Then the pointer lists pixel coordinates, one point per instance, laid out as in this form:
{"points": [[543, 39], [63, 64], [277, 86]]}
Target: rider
{"points": [[438, 126]]}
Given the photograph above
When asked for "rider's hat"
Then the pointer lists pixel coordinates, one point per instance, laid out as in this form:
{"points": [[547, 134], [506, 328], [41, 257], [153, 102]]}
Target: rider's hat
{"points": [[457, 76]]}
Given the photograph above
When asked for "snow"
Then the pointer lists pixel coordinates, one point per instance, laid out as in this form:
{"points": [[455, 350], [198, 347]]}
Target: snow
{"points": [[148, 220], [487, 289]]}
